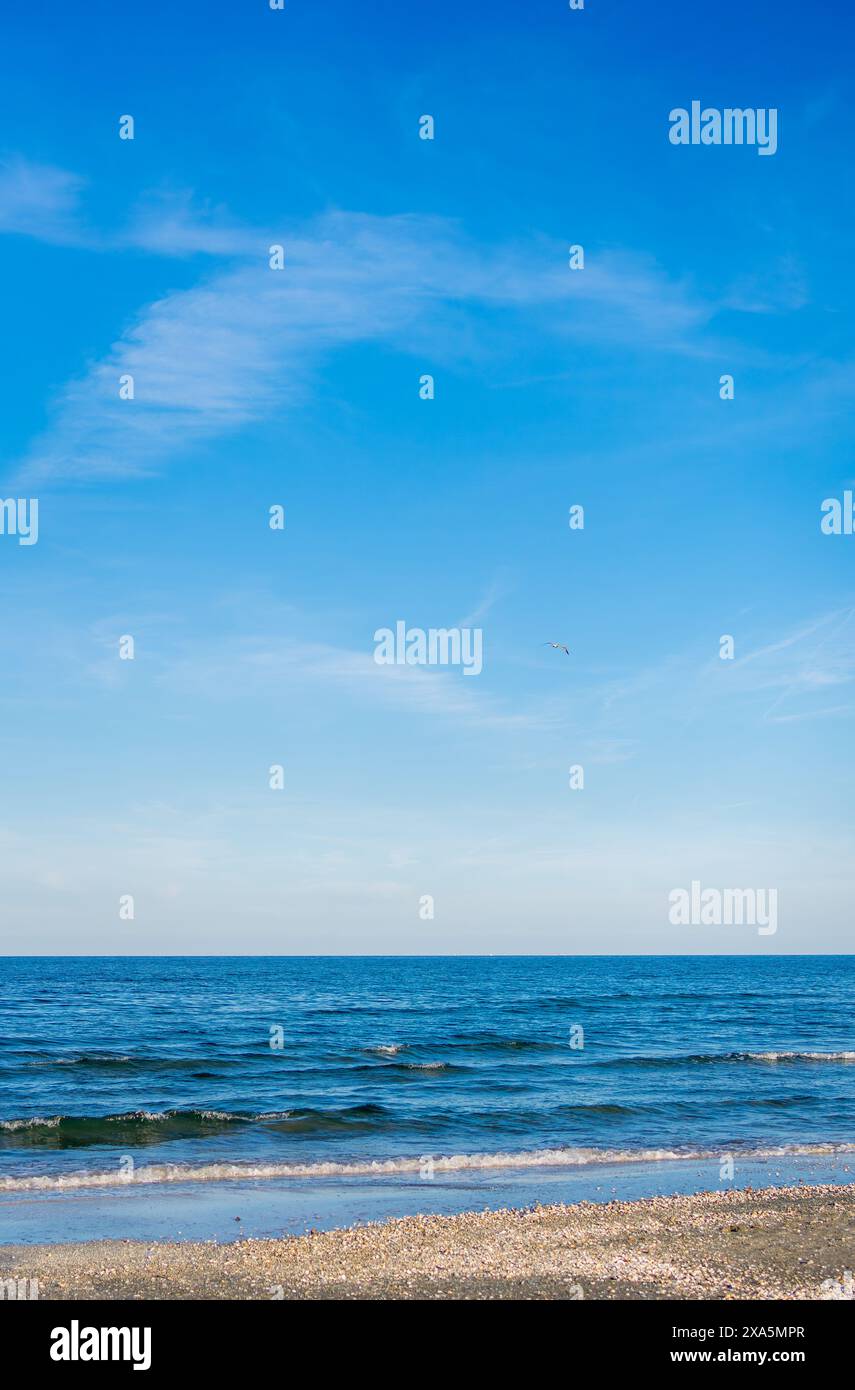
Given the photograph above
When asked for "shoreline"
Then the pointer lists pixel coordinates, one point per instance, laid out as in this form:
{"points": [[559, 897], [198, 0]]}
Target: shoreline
{"points": [[227, 1210], [451, 1165], [774, 1243]]}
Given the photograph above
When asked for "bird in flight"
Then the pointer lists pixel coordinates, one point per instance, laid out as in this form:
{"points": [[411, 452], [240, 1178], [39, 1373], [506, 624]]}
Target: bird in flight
{"points": [[559, 646]]}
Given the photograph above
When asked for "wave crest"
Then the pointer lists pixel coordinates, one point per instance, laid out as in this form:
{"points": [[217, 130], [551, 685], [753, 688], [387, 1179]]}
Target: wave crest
{"points": [[392, 1167]]}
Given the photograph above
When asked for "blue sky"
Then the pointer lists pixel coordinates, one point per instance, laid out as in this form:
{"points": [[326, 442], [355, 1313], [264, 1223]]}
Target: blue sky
{"points": [[300, 387]]}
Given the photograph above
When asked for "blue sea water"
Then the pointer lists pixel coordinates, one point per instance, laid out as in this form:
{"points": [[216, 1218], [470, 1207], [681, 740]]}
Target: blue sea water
{"points": [[127, 1077]]}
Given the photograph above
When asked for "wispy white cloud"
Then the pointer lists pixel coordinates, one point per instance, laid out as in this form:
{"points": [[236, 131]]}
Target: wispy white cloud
{"points": [[827, 712], [244, 343], [41, 201], [248, 666], [823, 657], [495, 591], [794, 670], [798, 668], [781, 288], [241, 345], [175, 223]]}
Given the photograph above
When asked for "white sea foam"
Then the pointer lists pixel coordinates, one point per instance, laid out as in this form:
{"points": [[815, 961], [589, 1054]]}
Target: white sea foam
{"points": [[49, 1122], [392, 1167], [801, 1056]]}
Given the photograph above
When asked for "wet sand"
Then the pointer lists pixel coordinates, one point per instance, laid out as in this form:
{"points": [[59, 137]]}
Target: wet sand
{"points": [[774, 1243]]}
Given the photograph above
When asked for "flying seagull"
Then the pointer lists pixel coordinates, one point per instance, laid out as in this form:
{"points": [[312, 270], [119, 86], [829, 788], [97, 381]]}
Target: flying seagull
{"points": [[559, 646]]}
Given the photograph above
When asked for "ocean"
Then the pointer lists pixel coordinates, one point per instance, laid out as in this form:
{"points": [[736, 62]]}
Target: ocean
{"points": [[208, 1096]]}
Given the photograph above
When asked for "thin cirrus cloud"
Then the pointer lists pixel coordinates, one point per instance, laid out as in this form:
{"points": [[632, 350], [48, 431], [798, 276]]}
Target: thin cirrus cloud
{"points": [[783, 681], [41, 201], [250, 666], [794, 672], [240, 346]]}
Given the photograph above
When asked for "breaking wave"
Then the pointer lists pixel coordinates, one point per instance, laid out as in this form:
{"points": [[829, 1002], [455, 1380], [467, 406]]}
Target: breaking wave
{"points": [[141, 1126], [393, 1167], [699, 1058]]}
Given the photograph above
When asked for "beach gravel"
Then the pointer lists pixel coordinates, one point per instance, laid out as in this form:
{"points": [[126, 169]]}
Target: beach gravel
{"points": [[777, 1243]]}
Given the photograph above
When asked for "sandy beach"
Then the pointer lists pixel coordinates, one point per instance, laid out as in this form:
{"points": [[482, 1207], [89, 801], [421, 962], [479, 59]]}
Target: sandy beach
{"points": [[777, 1243]]}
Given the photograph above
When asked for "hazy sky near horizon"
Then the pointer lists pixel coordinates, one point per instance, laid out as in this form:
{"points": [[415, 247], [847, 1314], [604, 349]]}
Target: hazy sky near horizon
{"points": [[300, 387]]}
